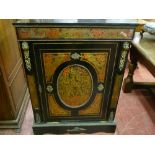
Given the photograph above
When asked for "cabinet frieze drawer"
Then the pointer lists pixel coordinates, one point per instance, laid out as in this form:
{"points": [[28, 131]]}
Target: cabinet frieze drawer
{"points": [[74, 33]]}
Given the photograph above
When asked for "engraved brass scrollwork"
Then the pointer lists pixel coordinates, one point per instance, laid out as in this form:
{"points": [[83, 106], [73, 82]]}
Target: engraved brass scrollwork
{"points": [[126, 46], [76, 129], [123, 56], [25, 47]]}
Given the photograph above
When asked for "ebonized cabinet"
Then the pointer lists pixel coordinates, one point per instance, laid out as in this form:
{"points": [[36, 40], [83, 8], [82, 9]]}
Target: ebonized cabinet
{"points": [[74, 71]]}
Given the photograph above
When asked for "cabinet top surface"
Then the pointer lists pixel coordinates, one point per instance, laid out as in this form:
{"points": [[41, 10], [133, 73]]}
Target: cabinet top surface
{"points": [[104, 22]]}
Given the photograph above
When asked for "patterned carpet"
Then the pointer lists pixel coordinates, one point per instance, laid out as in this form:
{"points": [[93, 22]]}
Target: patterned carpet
{"points": [[135, 113]]}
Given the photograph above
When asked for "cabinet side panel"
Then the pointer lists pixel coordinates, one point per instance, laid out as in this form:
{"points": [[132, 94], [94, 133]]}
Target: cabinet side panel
{"points": [[116, 91], [12, 69], [33, 91], [5, 109], [18, 88], [9, 47]]}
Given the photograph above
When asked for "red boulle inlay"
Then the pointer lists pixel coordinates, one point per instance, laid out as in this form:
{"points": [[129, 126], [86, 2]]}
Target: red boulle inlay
{"points": [[74, 33]]}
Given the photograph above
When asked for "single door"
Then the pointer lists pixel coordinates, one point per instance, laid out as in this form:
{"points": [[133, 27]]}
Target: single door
{"points": [[75, 78]]}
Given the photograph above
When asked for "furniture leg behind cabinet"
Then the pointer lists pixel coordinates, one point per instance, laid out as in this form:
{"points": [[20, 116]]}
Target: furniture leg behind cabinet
{"points": [[142, 51]]}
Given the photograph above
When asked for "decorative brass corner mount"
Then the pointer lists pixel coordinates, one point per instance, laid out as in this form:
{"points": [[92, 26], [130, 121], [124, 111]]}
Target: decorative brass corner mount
{"points": [[125, 49], [126, 45], [25, 48]]}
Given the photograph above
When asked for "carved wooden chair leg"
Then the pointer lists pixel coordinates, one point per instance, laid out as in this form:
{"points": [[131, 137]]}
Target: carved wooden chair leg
{"points": [[128, 81], [141, 33]]}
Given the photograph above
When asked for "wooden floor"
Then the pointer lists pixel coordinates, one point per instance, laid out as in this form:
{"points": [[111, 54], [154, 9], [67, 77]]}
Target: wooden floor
{"points": [[135, 113]]}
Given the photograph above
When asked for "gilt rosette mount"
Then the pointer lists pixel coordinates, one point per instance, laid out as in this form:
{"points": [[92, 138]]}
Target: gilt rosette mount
{"points": [[49, 88], [75, 56], [100, 87]]}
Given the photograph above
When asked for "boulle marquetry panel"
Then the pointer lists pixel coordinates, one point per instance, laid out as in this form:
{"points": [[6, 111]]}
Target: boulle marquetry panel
{"points": [[74, 79], [74, 73], [74, 33]]}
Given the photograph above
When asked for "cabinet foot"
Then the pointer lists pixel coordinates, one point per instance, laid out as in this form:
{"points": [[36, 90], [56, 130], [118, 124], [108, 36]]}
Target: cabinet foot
{"points": [[74, 127]]}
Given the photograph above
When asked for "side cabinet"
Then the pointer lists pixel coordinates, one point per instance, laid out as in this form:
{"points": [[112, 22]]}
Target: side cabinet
{"points": [[74, 74], [14, 94]]}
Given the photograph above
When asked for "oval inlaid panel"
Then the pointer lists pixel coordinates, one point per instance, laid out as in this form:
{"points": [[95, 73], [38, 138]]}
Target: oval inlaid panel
{"points": [[74, 85]]}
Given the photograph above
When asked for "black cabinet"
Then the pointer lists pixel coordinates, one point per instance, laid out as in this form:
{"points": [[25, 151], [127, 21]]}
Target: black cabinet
{"points": [[74, 72]]}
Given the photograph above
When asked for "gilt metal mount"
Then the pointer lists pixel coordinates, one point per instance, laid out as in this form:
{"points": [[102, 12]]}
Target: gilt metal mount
{"points": [[27, 60]]}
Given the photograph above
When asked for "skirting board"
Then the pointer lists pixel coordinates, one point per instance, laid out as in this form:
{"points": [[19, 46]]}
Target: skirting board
{"points": [[16, 124]]}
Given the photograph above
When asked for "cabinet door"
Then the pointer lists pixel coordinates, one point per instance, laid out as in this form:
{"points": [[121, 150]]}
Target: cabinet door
{"points": [[75, 78]]}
